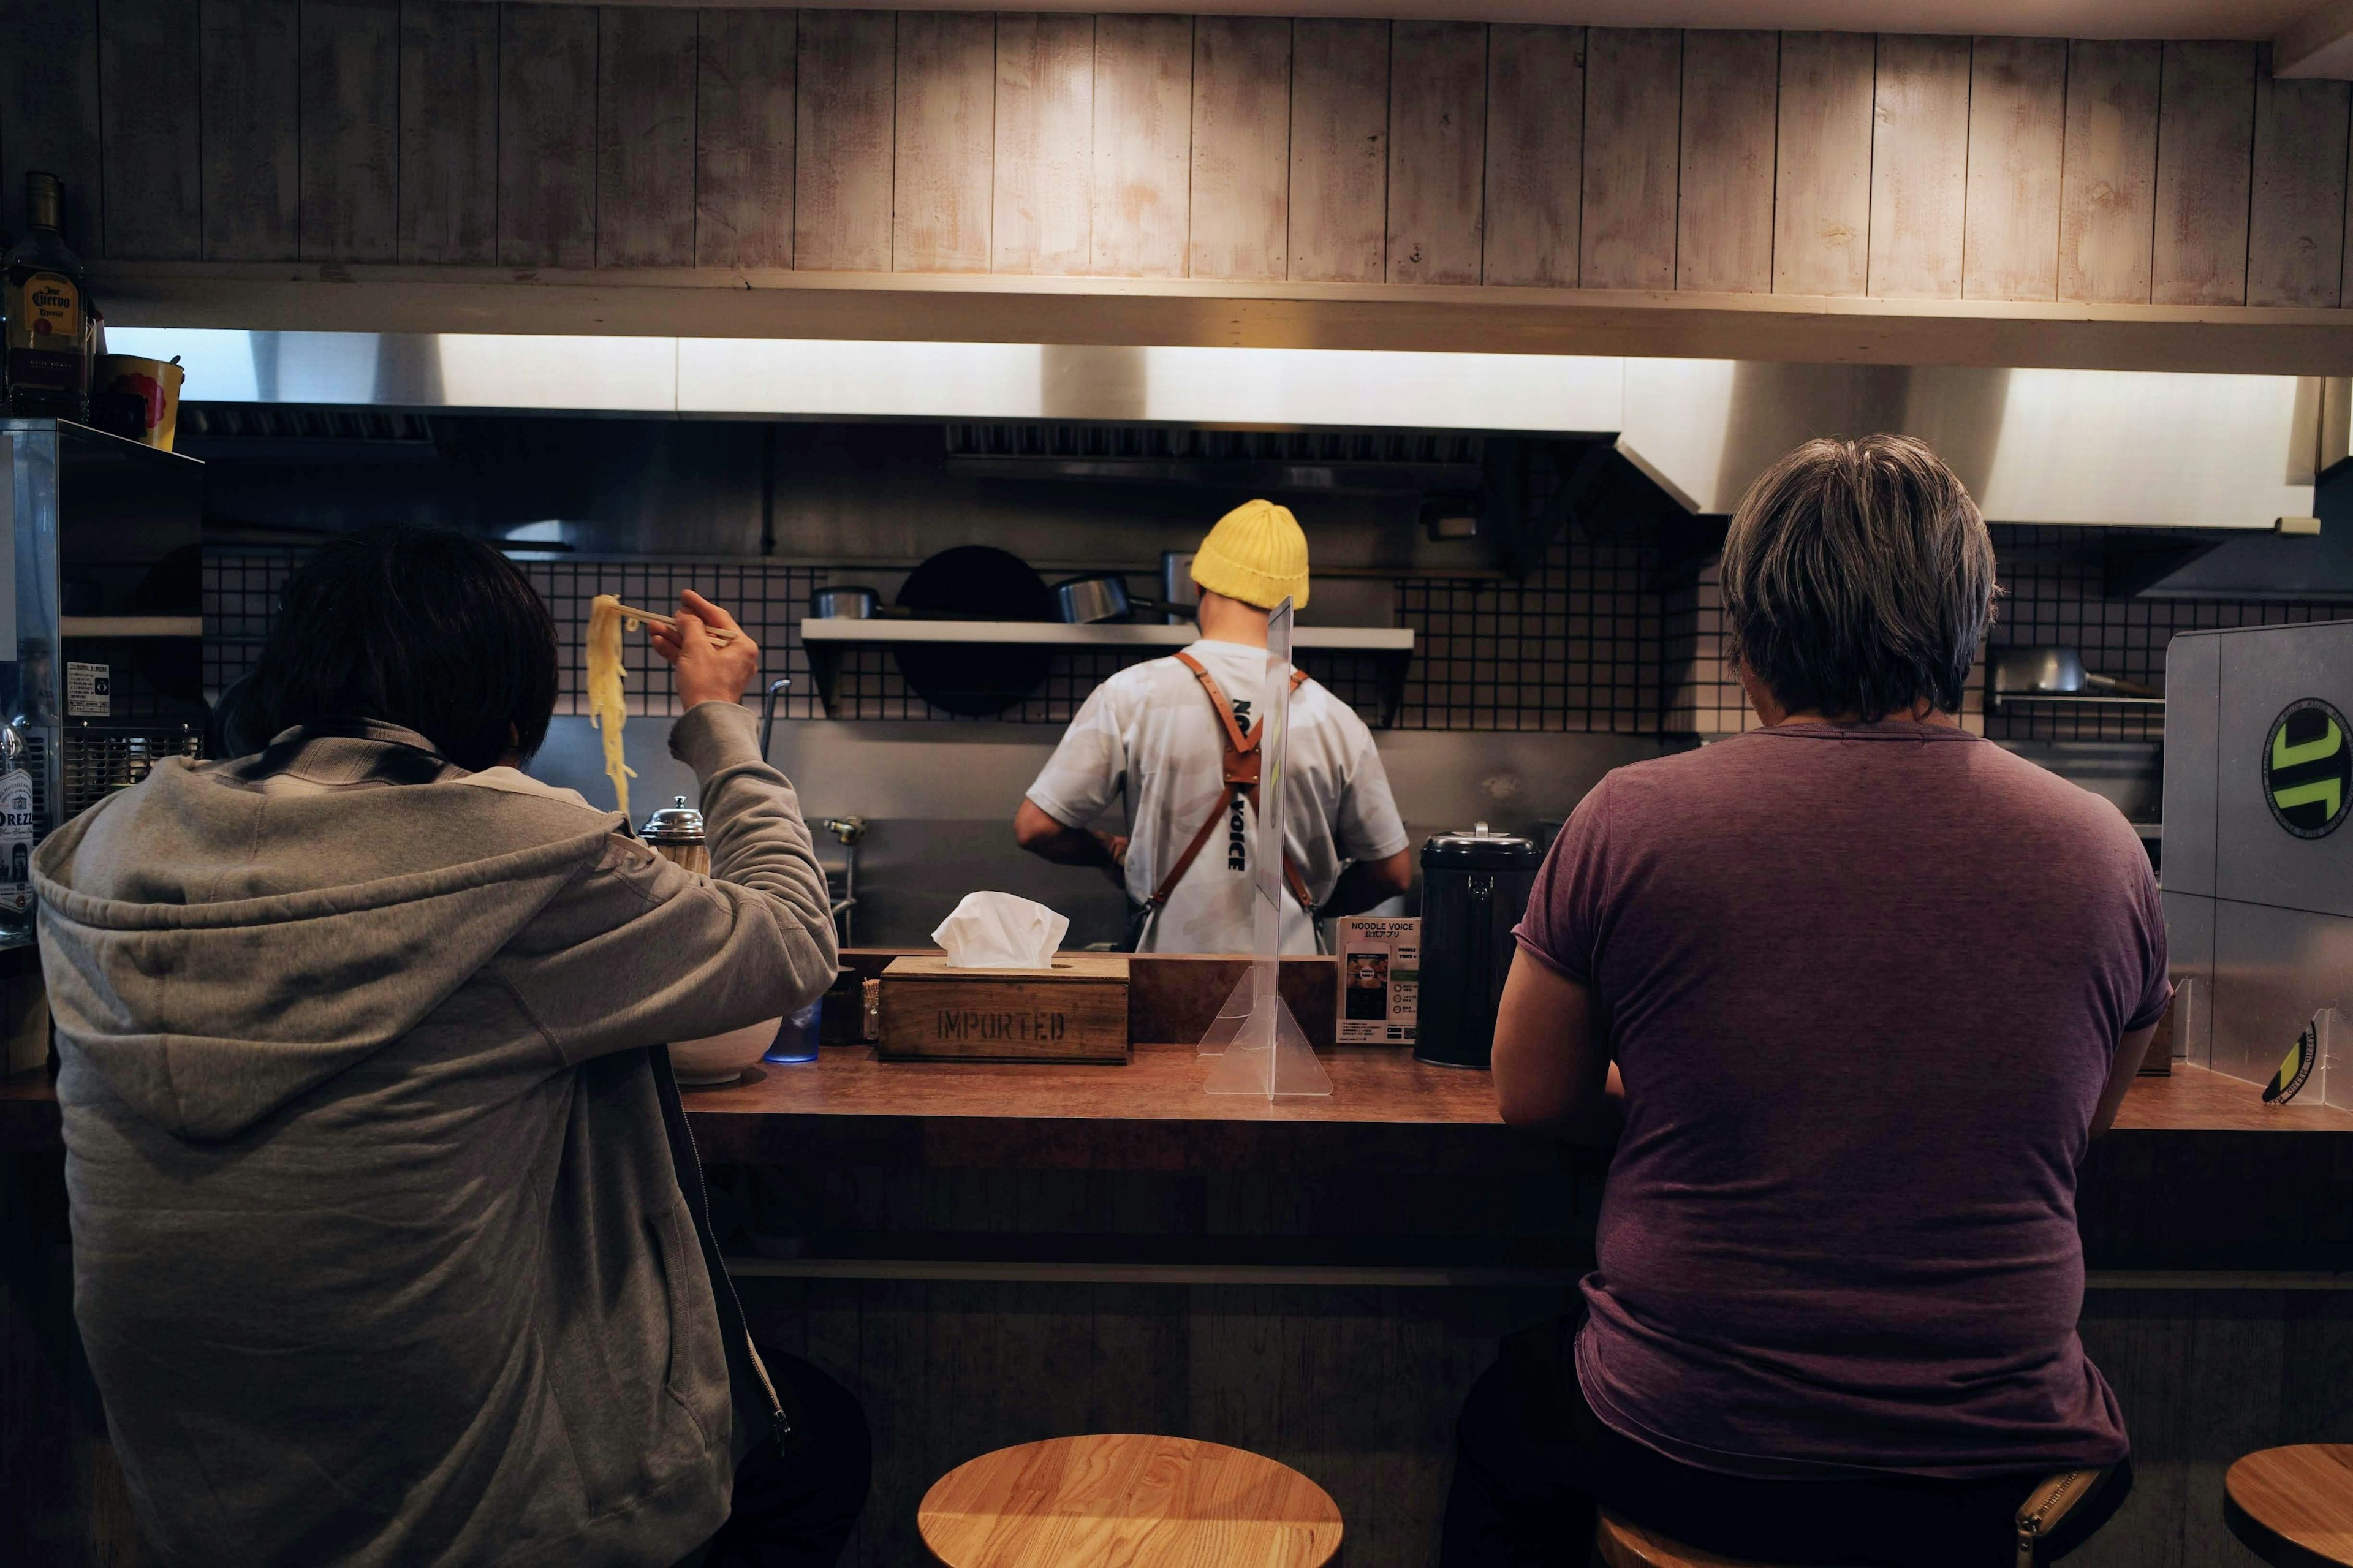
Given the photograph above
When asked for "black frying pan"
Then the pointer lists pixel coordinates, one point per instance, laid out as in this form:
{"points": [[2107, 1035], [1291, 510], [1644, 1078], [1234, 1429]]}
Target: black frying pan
{"points": [[975, 582]]}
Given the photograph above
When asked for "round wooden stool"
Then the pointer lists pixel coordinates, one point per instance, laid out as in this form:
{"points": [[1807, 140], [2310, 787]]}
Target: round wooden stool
{"points": [[2294, 1506], [1139, 1501], [1622, 1544], [1625, 1544]]}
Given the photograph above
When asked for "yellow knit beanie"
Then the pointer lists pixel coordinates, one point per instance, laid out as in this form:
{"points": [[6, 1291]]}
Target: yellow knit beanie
{"points": [[1256, 554]]}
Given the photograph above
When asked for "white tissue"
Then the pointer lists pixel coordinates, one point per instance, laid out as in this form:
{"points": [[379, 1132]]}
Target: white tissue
{"points": [[997, 931]]}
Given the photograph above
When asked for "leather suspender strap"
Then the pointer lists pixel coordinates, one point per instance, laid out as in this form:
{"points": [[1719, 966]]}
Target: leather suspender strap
{"points": [[1192, 853], [1241, 772], [1297, 882], [1235, 740]]}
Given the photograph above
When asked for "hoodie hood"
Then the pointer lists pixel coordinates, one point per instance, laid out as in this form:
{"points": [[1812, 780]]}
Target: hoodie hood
{"points": [[223, 937]]}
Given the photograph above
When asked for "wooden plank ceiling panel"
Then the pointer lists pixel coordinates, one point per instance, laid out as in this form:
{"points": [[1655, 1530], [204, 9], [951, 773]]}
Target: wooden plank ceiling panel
{"points": [[1919, 166], [645, 136], [746, 62], [1821, 215], [148, 111], [49, 113], [2107, 189], [843, 141], [1043, 220], [547, 135], [1143, 145], [1241, 147], [351, 130], [1633, 92], [1723, 201], [2296, 227], [946, 127], [251, 109], [1438, 150], [1339, 149], [2205, 142], [449, 175], [2018, 129], [1535, 154]]}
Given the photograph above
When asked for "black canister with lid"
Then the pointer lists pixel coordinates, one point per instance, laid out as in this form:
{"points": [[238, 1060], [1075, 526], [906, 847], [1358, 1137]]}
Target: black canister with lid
{"points": [[1474, 888]]}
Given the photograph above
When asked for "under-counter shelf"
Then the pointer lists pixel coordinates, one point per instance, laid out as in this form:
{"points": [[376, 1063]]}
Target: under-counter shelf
{"points": [[823, 640]]}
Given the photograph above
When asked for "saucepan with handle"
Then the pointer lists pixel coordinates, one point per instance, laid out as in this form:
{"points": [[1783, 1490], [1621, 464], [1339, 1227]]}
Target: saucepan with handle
{"points": [[1100, 596], [2032, 672]]}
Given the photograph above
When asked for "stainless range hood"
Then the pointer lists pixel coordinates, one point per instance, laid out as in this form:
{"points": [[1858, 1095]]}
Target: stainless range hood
{"points": [[2134, 449]]}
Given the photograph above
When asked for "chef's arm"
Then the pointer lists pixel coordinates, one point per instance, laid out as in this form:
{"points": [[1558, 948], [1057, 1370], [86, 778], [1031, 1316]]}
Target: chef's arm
{"points": [[1553, 1071], [1043, 836], [1368, 882]]}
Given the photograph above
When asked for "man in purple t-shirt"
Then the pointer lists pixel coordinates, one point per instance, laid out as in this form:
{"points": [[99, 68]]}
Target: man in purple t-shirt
{"points": [[1852, 992]]}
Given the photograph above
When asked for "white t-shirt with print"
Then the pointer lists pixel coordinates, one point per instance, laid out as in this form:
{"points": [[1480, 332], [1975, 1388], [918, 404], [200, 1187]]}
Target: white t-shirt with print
{"points": [[1149, 732]]}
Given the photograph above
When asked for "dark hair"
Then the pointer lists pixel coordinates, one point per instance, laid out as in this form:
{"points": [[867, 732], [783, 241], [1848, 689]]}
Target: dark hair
{"points": [[1858, 579], [425, 628]]}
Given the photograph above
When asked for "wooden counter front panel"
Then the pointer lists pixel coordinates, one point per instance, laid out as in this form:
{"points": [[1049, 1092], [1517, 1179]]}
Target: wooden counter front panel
{"points": [[1075, 1012]]}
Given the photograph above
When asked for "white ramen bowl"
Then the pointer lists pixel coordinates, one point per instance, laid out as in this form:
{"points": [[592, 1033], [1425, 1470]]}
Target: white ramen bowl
{"points": [[721, 1058]]}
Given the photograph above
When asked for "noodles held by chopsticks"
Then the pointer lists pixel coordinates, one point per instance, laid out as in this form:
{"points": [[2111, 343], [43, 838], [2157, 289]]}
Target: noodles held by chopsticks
{"points": [[607, 712]]}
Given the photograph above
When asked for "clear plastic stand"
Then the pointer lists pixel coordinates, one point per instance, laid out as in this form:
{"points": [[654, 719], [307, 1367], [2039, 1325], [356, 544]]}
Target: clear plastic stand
{"points": [[1261, 1047], [2191, 1042], [2332, 1074]]}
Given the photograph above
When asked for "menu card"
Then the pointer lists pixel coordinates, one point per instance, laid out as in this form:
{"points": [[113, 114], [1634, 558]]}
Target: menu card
{"points": [[1380, 980]]}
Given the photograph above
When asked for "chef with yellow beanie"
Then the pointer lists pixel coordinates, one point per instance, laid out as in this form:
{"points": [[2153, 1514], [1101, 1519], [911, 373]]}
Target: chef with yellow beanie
{"points": [[1160, 733]]}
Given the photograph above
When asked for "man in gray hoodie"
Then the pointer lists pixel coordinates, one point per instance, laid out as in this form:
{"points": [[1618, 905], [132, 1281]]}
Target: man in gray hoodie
{"points": [[388, 1245]]}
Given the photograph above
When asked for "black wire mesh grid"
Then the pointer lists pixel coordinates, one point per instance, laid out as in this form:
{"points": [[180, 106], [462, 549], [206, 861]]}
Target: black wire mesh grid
{"points": [[1587, 643], [2054, 596]]}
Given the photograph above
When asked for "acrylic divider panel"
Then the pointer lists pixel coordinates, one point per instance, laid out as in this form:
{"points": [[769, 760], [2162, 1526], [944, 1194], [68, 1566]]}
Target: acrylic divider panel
{"points": [[1268, 1054]]}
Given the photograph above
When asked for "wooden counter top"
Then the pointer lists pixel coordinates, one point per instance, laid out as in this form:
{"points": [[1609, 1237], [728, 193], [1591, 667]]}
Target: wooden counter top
{"points": [[1387, 1111], [1370, 1083]]}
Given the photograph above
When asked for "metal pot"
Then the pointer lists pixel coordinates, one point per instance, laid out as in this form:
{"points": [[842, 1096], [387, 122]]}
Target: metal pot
{"points": [[845, 604], [1098, 596], [2056, 672], [1474, 888], [1176, 585]]}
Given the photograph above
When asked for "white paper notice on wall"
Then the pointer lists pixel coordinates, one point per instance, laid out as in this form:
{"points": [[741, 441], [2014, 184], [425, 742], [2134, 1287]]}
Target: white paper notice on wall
{"points": [[89, 690]]}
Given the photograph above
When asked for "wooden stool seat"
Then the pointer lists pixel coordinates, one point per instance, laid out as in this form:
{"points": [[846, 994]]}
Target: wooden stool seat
{"points": [[1136, 1500], [1625, 1544], [2293, 1507], [1622, 1544]]}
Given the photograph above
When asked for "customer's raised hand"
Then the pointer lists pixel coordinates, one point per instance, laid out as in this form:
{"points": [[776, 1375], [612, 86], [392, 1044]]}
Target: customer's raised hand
{"points": [[708, 671]]}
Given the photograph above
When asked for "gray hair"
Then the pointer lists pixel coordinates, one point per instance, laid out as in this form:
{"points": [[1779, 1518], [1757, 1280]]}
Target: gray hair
{"points": [[1858, 579]]}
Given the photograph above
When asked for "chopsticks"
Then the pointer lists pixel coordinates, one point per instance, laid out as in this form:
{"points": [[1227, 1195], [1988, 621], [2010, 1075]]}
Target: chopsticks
{"points": [[720, 636]]}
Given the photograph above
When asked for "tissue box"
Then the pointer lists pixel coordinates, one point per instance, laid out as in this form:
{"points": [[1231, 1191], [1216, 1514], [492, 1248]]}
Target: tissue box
{"points": [[1074, 1011]]}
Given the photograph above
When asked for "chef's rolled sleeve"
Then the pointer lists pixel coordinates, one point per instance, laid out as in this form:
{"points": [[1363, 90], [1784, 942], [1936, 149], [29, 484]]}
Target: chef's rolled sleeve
{"points": [[1367, 826], [1082, 777]]}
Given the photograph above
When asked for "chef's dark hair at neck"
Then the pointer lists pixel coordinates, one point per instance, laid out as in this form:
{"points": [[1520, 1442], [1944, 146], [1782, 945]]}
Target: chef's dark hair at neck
{"points": [[425, 628]]}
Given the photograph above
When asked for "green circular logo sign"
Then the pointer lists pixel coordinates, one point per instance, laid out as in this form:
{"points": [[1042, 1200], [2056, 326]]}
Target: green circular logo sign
{"points": [[2308, 769]]}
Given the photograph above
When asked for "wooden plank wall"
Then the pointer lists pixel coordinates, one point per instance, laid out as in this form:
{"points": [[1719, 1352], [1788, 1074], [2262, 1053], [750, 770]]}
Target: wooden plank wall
{"points": [[1248, 148]]}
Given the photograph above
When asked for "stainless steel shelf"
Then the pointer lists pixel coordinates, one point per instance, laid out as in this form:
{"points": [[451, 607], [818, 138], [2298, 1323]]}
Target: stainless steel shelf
{"points": [[826, 638], [2071, 700], [1051, 634], [130, 626]]}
